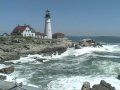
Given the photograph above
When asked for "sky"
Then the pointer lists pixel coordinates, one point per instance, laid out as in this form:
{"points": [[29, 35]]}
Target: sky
{"points": [[71, 17]]}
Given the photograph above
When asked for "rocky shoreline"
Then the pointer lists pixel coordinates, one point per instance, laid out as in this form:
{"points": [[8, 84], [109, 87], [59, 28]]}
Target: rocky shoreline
{"points": [[12, 48]]}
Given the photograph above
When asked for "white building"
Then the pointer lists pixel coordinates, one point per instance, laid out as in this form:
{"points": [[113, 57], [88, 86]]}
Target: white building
{"points": [[28, 32], [25, 31], [48, 31]]}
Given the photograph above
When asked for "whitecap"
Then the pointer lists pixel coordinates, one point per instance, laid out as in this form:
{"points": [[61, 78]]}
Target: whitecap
{"points": [[2, 66], [76, 82]]}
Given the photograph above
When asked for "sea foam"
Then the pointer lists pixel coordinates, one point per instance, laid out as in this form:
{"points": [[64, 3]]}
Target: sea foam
{"points": [[76, 82], [68, 52]]}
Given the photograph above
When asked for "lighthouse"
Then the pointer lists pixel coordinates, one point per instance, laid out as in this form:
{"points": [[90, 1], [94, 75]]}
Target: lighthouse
{"points": [[48, 31]]}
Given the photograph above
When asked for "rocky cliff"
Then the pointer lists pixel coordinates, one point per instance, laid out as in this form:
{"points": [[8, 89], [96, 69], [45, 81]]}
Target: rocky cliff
{"points": [[12, 48]]}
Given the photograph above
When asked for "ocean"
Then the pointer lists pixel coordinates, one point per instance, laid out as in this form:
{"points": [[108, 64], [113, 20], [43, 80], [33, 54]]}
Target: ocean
{"points": [[69, 70]]}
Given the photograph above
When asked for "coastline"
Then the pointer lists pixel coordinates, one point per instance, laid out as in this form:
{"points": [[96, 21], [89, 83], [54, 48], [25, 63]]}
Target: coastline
{"points": [[24, 46], [12, 48]]}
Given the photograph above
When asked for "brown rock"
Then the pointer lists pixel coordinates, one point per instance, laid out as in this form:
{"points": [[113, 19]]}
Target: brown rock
{"points": [[103, 86], [86, 86], [7, 69], [118, 77]]}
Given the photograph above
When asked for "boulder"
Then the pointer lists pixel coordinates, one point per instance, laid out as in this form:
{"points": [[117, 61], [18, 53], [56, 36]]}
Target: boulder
{"points": [[102, 86], [86, 86], [89, 42], [77, 46], [118, 77], [5, 56], [8, 63], [2, 77], [7, 69], [39, 59]]}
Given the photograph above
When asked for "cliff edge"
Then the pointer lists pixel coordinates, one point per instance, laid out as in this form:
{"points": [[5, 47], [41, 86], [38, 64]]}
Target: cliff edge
{"points": [[12, 48]]}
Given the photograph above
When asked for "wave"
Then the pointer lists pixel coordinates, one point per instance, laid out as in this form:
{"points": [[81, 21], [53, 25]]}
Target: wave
{"points": [[112, 48], [68, 52], [88, 50], [109, 68], [106, 56], [76, 82], [16, 77], [2, 66]]}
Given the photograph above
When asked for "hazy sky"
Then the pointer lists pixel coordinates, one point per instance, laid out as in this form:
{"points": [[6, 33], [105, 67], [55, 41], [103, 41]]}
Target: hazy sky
{"points": [[72, 17]]}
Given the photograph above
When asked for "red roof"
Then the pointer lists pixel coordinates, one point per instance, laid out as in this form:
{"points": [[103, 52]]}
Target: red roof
{"points": [[58, 33], [19, 29]]}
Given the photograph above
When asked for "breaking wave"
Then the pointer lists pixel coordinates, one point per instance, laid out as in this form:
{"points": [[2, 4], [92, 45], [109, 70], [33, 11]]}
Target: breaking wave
{"points": [[69, 70], [75, 83], [69, 52]]}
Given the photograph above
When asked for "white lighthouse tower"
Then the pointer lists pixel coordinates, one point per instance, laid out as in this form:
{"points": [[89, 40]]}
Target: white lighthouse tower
{"points": [[48, 32]]}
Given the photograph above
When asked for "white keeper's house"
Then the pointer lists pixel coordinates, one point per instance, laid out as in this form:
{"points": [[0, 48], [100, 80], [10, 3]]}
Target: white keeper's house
{"points": [[26, 31]]}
